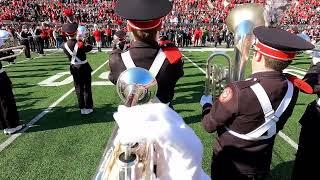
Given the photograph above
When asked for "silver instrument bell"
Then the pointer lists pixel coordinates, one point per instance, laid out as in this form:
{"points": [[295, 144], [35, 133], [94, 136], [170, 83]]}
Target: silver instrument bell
{"points": [[136, 86], [134, 160]]}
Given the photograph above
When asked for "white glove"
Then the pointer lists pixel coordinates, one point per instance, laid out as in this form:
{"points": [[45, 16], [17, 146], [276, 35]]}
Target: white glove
{"points": [[206, 99], [178, 150], [315, 60]]}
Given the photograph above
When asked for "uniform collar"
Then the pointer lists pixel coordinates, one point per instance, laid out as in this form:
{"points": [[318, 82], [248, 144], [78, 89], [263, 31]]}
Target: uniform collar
{"points": [[267, 74], [141, 44]]}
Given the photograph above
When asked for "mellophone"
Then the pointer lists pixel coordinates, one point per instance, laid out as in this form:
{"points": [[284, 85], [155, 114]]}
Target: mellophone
{"points": [[128, 161]]}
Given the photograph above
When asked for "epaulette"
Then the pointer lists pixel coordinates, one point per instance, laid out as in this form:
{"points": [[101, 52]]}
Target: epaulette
{"points": [[300, 84], [165, 43], [80, 44], [171, 51]]}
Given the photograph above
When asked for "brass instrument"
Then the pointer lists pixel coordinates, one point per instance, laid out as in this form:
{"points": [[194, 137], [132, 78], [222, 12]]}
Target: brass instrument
{"points": [[9, 49], [241, 21], [6, 45], [128, 161], [217, 76]]}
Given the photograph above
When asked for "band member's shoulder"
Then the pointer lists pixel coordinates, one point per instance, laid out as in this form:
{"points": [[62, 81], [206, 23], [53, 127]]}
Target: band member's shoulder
{"points": [[300, 84], [171, 51], [242, 85], [116, 52]]}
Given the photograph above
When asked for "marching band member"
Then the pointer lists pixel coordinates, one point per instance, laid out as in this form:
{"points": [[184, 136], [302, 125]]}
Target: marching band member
{"points": [[308, 149], [178, 150], [248, 114], [79, 67], [38, 40], [164, 62], [24, 34], [119, 41], [9, 117]]}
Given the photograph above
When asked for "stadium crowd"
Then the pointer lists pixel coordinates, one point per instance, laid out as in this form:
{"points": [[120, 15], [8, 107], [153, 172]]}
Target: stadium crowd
{"points": [[184, 11], [192, 22]]}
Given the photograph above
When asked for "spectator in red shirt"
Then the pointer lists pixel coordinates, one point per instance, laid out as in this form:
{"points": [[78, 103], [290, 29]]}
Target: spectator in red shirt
{"points": [[97, 37], [197, 36], [108, 33]]}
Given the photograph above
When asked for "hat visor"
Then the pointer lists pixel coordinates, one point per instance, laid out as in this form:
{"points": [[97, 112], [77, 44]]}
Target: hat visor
{"points": [[143, 10]]}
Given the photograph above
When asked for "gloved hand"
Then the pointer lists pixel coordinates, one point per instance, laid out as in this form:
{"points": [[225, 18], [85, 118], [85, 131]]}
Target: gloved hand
{"points": [[315, 57], [315, 60], [178, 150], [206, 99]]}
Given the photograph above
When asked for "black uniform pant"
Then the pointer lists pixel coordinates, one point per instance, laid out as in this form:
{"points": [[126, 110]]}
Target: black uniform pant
{"points": [[308, 157], [46, 42], [82, 84], [9, 117], [222, 168], [32, 45], [27, 49], [109, 41], [40, 45]]}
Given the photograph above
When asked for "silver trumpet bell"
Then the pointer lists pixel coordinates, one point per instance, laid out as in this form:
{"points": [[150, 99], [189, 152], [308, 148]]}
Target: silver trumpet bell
{"points": [[134, 160], [136, 86]]}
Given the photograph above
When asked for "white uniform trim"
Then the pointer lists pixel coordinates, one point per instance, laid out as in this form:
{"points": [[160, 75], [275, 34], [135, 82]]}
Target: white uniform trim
{"points": [[155, 67], [1, 70], [74, 59], [157, 63], [127, 60], [271, 116]]}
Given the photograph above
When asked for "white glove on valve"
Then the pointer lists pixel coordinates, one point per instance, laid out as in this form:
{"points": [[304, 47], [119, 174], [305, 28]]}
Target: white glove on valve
{"points": [[206, 99]]}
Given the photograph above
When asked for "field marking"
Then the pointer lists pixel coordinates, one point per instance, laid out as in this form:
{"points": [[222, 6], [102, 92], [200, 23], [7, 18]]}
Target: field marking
{"points": [[298, 68], [102, 83], [281, 134], [288, 139], [31, 59], [43, 113], [196, 65]]}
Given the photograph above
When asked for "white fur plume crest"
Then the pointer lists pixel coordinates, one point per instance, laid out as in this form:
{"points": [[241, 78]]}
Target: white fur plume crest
{"points": [[274, 11]]}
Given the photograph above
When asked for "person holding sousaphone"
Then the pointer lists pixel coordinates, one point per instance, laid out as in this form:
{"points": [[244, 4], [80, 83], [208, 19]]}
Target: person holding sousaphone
{"points": [[24, 34], [9, 117], [248, 114], [144, 20]]}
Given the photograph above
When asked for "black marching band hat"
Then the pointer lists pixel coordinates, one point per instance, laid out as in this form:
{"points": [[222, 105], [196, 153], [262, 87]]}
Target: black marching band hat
{"points": [[70, 28], [120, 34], [143, 14], [279, 44]]}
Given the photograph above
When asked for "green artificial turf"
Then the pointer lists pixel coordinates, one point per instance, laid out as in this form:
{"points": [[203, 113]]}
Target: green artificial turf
{"points": [[66, 145]]}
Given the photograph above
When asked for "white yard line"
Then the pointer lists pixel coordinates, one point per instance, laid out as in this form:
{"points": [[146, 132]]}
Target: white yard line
{"points": [[284, 136], [298, 68], [43, 113], [196, 65], [288, 139]]}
